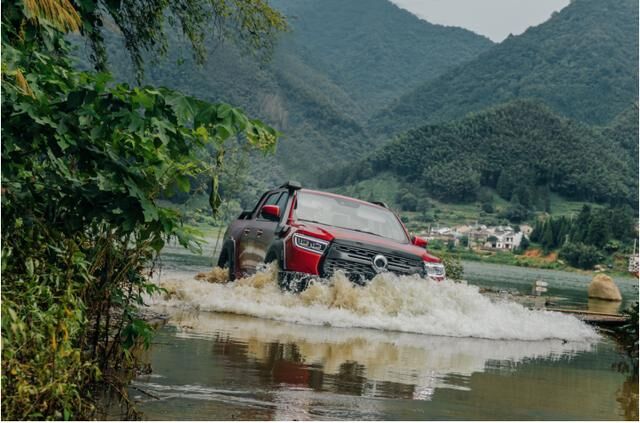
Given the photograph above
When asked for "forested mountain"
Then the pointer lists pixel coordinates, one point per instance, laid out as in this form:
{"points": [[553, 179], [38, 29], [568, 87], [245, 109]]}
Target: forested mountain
{"points": [[339, 61], [623, 131], [374, 50], [582, 62], [522, 149]]}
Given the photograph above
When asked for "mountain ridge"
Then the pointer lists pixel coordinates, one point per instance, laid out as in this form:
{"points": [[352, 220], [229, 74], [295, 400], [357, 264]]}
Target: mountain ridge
{"points": [[577, 62], [521, 148]]}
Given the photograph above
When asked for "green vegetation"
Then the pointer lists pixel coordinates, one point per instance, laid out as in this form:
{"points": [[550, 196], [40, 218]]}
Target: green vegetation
{"points": [[521, 150], [84, 165], [587, 239], [338, 63], [582, 62], [373, 50]]}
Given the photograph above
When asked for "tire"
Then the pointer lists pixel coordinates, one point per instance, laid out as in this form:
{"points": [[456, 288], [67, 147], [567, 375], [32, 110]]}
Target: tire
{"points": [[287, 281], [226, 259]]}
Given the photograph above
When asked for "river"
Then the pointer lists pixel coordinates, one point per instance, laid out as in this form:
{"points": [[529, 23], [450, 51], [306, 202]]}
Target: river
{"points": [[399, 349]]}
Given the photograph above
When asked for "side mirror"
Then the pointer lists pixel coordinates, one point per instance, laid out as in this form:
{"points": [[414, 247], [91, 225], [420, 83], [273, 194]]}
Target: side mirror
{"points": [[270, 212], [418, 241]]}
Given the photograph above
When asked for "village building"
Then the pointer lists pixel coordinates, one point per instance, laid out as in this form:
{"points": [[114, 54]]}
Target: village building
{"points": [[480, 236]]}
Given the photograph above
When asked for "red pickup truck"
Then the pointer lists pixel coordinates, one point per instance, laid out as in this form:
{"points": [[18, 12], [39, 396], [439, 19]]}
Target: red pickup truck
{"points": [[313, 233]]}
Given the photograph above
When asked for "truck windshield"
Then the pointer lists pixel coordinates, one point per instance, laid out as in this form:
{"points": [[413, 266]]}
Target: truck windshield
{"points": [[349, 214]]}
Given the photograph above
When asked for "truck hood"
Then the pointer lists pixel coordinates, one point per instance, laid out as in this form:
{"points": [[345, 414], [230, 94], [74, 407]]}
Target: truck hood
{"points": [[329, 233]]}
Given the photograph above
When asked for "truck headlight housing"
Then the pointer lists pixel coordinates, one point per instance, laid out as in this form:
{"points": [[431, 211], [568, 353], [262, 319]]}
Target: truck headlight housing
{"points": [[309, 243], [434, 269]]}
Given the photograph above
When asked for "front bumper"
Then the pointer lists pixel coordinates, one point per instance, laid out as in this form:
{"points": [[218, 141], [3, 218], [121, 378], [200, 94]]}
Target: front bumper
{"points": [[355, 259]]}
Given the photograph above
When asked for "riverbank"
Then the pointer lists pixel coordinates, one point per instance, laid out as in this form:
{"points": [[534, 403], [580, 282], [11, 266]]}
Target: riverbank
{"points": [[532, 259]]}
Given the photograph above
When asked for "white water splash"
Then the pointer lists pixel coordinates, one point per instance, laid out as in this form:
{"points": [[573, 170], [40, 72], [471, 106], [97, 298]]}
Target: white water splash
{"points": [[397, 303]]}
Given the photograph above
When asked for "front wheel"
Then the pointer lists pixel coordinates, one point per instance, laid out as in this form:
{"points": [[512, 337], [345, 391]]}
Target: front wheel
{"points": [[287, 281]]}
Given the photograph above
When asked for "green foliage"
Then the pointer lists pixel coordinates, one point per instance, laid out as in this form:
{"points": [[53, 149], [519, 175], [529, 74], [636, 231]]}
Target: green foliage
{"points": [[453, 266], [520, 149], [602, 228], [582, 62], [407, 200], [524, 245], [580, 255], [84, 164], [388, 52], [253, 24], [452, 181], [515, 213], [327, 74]]}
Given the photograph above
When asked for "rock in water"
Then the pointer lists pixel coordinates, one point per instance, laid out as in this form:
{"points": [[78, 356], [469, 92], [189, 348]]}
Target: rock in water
{"points": [[604, 288]]}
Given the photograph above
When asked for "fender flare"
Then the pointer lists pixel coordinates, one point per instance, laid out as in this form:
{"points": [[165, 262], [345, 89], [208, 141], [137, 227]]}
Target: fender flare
{"points": [[276, 252], [228, 256]]}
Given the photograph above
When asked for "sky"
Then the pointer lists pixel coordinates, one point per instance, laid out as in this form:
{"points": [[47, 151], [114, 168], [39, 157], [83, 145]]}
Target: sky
{"points": [[495, 19]]}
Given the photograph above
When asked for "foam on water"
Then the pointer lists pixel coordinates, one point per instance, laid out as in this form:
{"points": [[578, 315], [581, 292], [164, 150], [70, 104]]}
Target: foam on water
{"points": [[398, 303]]}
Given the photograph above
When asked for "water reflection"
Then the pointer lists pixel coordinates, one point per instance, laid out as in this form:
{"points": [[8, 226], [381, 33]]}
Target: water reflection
{"points": [[217, 366]]}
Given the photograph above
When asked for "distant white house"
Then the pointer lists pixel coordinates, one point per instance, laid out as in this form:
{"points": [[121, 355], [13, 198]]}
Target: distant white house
{"points": [[493, 237], [504, 240]]}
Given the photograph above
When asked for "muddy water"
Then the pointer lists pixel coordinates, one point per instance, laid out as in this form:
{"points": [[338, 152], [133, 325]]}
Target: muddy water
{"points": [[401, 348]]}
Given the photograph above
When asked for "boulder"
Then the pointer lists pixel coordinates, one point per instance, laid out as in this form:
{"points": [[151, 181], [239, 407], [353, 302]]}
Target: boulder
{"points": [[604, 288]]}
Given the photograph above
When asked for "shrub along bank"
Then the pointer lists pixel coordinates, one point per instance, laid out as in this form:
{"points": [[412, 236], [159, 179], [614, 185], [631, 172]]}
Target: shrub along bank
{"points": [[84, 162]]}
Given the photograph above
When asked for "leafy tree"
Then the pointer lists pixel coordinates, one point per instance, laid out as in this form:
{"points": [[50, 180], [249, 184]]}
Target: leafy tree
{"points": [[536, 232], [580, 255], [487, 207], [84, 162], [524, 245], [598, 230], [449, 181], [407, 200], [515, 213], [453, 266], [580, 228], [548, 240]]}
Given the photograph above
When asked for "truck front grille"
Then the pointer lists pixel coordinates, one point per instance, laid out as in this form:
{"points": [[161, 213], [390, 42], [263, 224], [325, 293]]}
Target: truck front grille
{"points": [[355, 259]]}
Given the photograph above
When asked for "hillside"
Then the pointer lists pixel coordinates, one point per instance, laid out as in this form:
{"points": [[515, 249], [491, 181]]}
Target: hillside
{"points": [[372, 49], [582, 62], [339, 61], [623, 131], [522, 150]]}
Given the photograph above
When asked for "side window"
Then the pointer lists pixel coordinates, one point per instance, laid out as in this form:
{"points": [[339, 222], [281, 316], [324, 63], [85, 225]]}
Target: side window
{"points": [[257, 206], [282, 203], [272, 200]]}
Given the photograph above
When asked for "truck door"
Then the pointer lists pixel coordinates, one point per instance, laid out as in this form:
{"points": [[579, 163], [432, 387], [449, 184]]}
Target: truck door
{"points": [[266, 228], [250, 249]]}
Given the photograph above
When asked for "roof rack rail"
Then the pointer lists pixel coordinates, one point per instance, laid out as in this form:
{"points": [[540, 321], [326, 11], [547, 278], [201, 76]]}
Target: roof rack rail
{"points": [[380, 203], [291, 185]]}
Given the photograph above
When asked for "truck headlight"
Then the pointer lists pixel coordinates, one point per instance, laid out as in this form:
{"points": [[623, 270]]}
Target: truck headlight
{"points": [[434, 269], [309, 243]]}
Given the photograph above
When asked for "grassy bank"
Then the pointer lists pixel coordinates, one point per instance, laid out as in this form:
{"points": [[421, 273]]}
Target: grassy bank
{"points": [[531, 258]]}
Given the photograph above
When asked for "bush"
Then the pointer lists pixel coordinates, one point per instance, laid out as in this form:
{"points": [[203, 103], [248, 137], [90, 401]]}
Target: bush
{"points": [[524, 244], [452, 266], [487, 207], [436, 244], [428, 217], [581, 255], [516, 213]]}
